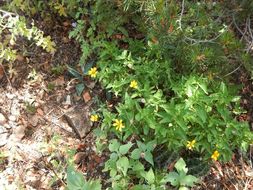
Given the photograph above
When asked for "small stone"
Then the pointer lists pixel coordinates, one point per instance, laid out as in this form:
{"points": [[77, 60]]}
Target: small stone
{"points": [[12, 118], [68, 100], [3, 129], [34, 120], [4, 139], [2, 119], [10, 96], [18, 133]]}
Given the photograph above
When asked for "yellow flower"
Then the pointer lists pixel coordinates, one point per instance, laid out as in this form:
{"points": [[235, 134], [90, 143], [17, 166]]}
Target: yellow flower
{"points": [[94, 118], [215, 155], [118, 124], [93, 72], [134, 84], [191, 144]]}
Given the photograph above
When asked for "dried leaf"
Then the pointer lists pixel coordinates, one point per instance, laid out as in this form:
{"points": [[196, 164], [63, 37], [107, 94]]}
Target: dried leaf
{"points": [[86, 96]]}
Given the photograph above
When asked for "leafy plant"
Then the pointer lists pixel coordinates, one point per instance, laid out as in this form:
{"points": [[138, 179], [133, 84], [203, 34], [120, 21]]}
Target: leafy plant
{"points": [[180, 179], [75, 181]]}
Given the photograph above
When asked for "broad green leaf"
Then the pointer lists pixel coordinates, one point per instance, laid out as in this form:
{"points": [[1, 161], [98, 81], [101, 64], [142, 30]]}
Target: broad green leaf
{"points": [[136, 154], [142, 146], [75, 73], [123, 149], [149, 157], [114, 145], [173, 177], [79, 89], [201, 113], [123, 165], [203, 87], [183, 188], [150, 176], [188, 180], [137, 166], [181, 166], [75, 180]]}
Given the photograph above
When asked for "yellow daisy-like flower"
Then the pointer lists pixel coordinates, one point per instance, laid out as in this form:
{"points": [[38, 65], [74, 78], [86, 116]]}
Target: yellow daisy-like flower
{"points": [[93, 72], [94, 118], [118, 124], [134, 84], [215, 155], [191, 144]]}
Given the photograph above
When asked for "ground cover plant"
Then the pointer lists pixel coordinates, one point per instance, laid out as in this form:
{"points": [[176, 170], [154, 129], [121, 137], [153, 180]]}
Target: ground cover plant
{"points": [[166, 68]]}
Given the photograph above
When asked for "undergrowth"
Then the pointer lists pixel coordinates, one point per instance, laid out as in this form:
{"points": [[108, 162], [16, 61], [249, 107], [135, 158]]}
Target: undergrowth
{"points": [[169, 65]]}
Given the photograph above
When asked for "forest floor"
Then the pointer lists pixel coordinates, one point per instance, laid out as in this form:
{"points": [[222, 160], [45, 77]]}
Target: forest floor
{"points": [[43, 122]]}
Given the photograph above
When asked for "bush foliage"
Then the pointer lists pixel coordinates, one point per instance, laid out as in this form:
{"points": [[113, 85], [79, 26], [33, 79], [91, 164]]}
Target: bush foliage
{"points": [[169, 64]]}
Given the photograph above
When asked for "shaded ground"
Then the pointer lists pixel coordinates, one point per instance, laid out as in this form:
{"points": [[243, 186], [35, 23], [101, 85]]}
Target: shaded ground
{"points": [[41, 117]]}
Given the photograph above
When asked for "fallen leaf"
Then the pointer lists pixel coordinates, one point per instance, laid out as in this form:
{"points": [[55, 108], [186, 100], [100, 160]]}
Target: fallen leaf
{"points": [[66, 23], [20, 58], [65, 39], [2, 119], [1, 72], [79, 157], [40, 112], [97, 159], [86, 96], [59, 81]]}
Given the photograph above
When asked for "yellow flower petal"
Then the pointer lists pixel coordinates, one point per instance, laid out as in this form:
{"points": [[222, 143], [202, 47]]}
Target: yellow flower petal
{"points": [[118, 123], [191, 144], [94, 118], [134, 84], [215, 155], [93, 72]]}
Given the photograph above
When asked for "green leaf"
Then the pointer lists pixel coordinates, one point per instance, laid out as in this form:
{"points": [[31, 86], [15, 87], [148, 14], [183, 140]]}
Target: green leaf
{"points": [[183, 188], [79, 89], [123, 149], [114, 145], [142, 146], [201, 113], [188, 180], [173, 177], [150, 176], [75, 180], [181, 166], [203, 87], [123, 165], [75, 73], [136, 154], [137, 166], [149, 157]]}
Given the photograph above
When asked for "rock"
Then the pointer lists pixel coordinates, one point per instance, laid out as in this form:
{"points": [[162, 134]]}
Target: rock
{"points": [[4, 139], [34, 120], [2, 119], [78, 119], [3, 129], [79, 157], [68, 100], [12, 118], [18, 133]]}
